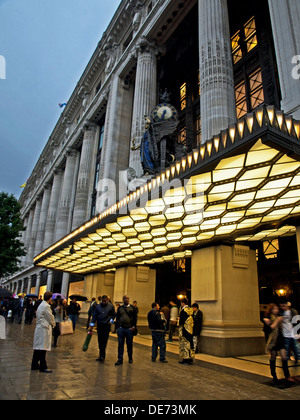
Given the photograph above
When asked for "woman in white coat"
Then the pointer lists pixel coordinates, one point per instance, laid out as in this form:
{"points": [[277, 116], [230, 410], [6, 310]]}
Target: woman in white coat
{"points": [[45, 322]]}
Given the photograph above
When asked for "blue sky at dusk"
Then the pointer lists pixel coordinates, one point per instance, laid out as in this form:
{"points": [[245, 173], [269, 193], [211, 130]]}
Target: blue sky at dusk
{"points": [[46, 47]]}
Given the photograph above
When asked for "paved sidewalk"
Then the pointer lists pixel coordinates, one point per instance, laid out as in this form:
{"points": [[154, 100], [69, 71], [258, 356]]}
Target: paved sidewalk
{"points": [[77, 376]]}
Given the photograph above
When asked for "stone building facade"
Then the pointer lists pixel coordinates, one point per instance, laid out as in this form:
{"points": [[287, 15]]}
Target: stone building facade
{"points": [[220, 61]]}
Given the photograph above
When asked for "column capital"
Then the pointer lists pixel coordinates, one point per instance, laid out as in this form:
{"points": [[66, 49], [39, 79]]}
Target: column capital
{"points": [[88, 126], [145, 45], [71, 151]]}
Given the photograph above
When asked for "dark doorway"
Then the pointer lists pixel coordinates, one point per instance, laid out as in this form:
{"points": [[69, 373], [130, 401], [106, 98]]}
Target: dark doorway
{"points": [[278, 270], [173, 279]]}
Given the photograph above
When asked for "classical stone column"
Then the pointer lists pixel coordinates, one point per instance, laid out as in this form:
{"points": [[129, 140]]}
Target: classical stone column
{"points": [[22, 285], [85, 175], [144, 97], [117, 131], [33, 233], [53, 206], [42, 222], [285, 18], [65, 284], [67, 194], [217, 100], [49, 281], [38, 282], [29, 284]]}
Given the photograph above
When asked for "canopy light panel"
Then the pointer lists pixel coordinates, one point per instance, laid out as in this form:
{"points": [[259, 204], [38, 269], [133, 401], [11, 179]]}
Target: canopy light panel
{"points": [[234, 187]]}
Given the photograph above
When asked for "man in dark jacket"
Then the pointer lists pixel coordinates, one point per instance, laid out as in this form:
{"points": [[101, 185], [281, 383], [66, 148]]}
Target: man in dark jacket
{"points": [[126, 322], [91, 310], [157, 327], [104, 315], [198, 319]]}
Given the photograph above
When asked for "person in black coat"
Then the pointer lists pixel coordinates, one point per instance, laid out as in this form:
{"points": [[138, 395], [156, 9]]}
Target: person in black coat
{"points": [[104, 315], [198, 320], [157, 328], [91, 310], [126, 322]]}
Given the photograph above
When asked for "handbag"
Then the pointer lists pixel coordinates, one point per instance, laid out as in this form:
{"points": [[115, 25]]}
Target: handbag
{"points": [[66, 327]]}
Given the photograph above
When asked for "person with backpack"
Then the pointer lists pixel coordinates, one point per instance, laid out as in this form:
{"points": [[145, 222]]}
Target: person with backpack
{"points": [[126, 320]]}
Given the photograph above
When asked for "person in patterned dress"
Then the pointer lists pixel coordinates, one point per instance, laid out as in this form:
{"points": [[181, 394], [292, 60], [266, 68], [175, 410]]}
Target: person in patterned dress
{"points": [[186, 324]]}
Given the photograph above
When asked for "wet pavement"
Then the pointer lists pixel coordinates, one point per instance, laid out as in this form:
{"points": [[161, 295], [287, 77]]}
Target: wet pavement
{"points": [[78, 376]]}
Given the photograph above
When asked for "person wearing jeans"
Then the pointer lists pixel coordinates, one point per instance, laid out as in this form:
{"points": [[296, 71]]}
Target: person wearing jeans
{"points": [[104, 315], [290, 343], [157, 327], [126, 320], [73, 312]]}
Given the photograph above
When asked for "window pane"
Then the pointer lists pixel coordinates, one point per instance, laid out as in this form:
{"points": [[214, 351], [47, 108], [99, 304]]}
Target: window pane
{"points": [[183, 96], [256, 89], [241, 103]]}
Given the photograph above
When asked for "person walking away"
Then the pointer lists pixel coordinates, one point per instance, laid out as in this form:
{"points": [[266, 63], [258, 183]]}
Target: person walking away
{"points": [[73, 312], [166, 311], [14, 307], [43, 335], [198, 320], [91, 311], [275, 342], [21, 308], [290, 342], [173, 320], [115, 327], [104, 315], [134, 303], [126, 320], [59, 315], [157, 327], [29, 312], [186, 324]]}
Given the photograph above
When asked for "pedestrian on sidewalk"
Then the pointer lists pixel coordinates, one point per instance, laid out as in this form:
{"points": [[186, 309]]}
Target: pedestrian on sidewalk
{"points": [[275, 342], [43, 334], [104, 315], [91, 310], [73, 312], [59, 315], [290, 343], [29, 312], [126, 320], [157, 327], [186, 324], [21, 308], [198, 320], [173, 320]]}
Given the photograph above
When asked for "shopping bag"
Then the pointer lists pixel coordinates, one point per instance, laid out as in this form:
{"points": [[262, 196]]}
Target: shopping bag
{"points": [[66, 328], [87, 341]]}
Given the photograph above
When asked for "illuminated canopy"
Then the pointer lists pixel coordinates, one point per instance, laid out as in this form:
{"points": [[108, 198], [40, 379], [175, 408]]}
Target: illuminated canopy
{"points": [[242, 185]]}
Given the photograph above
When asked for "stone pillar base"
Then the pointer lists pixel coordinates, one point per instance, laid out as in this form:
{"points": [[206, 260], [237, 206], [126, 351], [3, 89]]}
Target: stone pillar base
{"points": [[225, 285], [233, 341]]}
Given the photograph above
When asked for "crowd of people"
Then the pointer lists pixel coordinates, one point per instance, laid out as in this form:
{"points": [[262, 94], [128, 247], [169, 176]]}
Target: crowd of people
{"points": [[280, 324], [14, 308], [103, 314], [280, 321]]}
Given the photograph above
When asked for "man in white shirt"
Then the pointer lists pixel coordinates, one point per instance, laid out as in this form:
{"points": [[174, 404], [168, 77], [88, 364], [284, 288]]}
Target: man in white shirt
{"points": [[290, 342]]}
